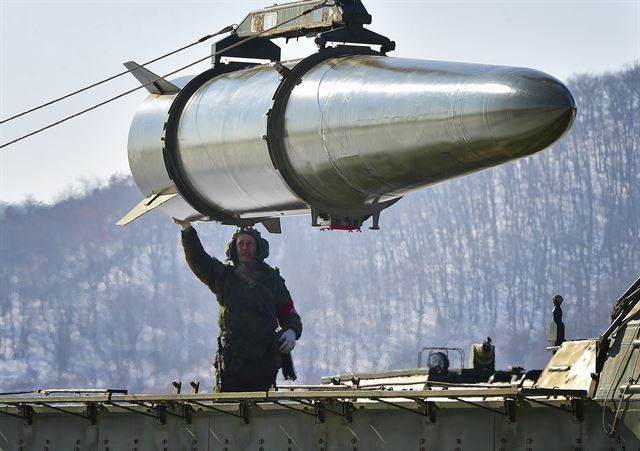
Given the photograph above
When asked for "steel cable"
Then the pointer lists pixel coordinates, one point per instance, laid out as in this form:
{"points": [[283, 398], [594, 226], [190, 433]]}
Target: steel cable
{"points": [[113, 77], [232, 46]]}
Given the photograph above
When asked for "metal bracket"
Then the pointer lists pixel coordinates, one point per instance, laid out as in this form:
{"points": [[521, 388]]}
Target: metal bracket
{"points": [[341, 21], [92, 413], [347, 411], [282, 70], [27, 414], [244, 411], [510, 409], [187, 413], [319, 411], [314, 217], [577, 408], [161, 412], [375, 222], [254, 48], [429, 410], [355, 34]]}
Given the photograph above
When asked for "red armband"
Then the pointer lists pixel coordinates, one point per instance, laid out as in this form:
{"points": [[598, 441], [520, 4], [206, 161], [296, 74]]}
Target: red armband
{"points": [[286, 310]]}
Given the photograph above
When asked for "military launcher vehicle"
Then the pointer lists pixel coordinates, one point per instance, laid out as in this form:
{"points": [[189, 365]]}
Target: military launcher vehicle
{"points": [[586, 398]]}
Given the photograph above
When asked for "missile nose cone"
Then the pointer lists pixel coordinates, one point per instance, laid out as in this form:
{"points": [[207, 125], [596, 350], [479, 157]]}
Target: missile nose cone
{"points": [[543, 100], [538, 110]]}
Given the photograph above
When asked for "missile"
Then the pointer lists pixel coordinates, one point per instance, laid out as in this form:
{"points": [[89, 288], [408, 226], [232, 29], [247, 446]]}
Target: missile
{"points": [[340, 135]]}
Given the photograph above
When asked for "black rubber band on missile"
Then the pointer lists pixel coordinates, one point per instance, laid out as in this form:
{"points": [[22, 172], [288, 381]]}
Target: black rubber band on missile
{"points": [[276, 132], [172, 160]]}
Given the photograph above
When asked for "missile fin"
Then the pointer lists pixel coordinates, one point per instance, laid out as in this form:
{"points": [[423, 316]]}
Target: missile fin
{"points": [[152, 82], [147, 204], [272, 225]]}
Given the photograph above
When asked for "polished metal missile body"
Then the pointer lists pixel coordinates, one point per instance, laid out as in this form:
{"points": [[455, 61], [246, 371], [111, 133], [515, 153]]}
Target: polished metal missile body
{"points": [[350, 135], [365, 129]]}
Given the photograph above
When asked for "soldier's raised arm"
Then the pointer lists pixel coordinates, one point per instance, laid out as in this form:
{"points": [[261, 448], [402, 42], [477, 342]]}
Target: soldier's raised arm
{"points": [[206, 268]]}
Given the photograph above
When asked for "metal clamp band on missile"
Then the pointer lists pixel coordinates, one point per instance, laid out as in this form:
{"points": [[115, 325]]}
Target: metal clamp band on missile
{"points": [[341, 134]]}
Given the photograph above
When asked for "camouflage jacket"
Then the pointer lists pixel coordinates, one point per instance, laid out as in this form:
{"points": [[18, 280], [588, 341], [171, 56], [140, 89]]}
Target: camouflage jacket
{"points": [[252, 302]]}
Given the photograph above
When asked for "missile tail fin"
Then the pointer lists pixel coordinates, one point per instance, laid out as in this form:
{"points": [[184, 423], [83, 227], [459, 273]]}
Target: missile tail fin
{"points": [[147, 204], [152, 82]]}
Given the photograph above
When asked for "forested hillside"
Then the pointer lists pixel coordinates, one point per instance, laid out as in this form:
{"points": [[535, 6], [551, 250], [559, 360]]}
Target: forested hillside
{"points": [[86, 303]]}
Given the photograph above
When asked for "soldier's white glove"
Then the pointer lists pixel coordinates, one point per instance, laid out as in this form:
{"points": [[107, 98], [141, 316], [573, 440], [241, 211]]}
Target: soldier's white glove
{"points": [[287, 341], [183, 223]]}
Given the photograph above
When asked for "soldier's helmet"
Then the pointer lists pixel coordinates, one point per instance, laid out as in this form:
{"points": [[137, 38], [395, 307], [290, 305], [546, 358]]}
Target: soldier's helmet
{"points": [[262, 245]]}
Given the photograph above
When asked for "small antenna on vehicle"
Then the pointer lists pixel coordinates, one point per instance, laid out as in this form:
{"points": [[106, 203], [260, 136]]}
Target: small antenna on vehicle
{"points": [[556, 328]]}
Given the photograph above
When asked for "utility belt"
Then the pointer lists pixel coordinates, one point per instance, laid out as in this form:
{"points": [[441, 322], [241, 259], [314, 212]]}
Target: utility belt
{"points": [[225, 349]]}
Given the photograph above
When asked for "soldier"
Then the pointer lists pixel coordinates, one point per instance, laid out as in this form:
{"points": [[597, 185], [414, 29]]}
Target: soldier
{"points": [[254, 304]]}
